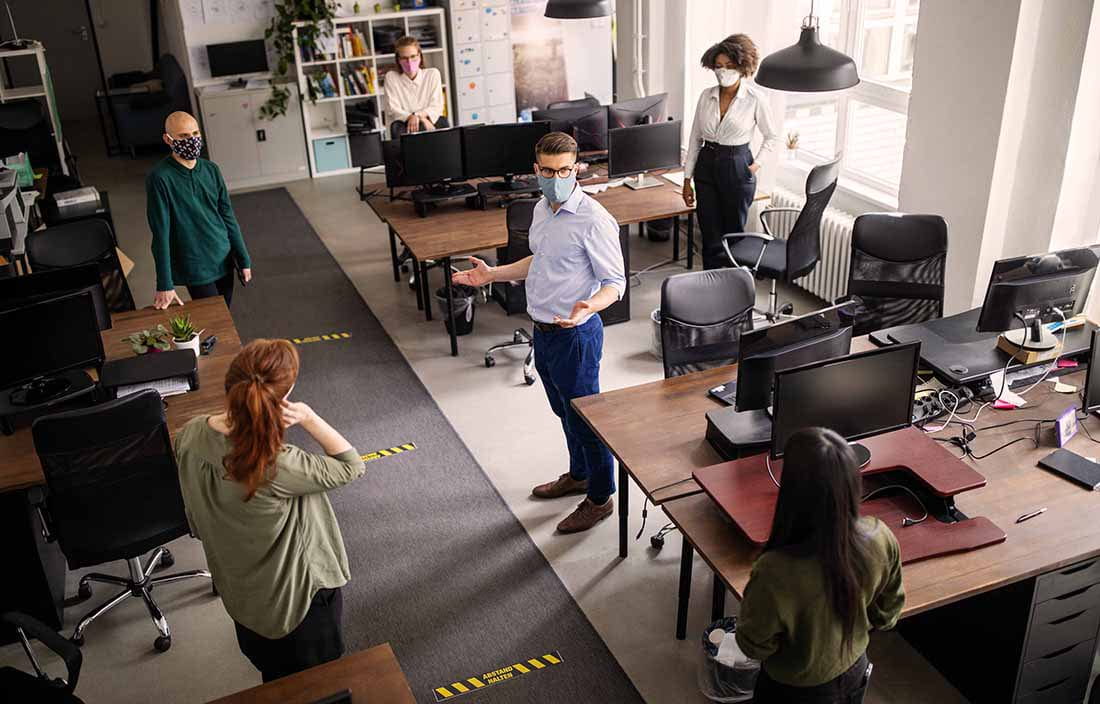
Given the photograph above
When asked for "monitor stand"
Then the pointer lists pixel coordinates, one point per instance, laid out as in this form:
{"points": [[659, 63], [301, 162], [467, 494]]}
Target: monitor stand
{"points": [[41, 394], [440, 192], [511, 184], [1033, 338], [39, 390], [449, 190], [642, 181], [863, 455]]}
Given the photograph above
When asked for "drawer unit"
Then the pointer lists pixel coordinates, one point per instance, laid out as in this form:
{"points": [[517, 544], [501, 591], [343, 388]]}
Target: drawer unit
{"points": [[1067, 579], [1070, 690], [1053, 670], [331, 153], [1047, 637]]}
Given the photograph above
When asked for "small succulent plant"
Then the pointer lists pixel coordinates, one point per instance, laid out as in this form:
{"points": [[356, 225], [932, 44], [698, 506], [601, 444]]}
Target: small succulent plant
{"points": [[158, 339], [792, 139], [182, 329]]}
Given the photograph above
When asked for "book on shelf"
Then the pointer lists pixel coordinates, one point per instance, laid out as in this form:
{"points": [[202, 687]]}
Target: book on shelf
{"points": [[358, 43]]}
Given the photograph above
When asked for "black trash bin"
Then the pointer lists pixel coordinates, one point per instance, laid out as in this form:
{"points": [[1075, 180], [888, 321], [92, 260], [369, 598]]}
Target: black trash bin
{"points": [[463, 297]]}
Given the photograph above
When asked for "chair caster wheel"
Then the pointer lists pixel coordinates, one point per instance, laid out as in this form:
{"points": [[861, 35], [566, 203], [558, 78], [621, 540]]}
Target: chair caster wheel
{"points": [[528, 379], [166, 561], [84, 591], [78, 641], [163, 643], [786, 309], [490, 362]]}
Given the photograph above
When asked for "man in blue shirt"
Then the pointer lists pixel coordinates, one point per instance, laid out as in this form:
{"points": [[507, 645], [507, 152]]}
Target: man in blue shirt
{"points": [[576, 270]]}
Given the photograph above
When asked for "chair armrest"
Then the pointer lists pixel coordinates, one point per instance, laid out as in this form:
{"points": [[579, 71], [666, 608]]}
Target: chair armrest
{"points": [[67, 651], [764, 240], [768, 211], [37, 499]]}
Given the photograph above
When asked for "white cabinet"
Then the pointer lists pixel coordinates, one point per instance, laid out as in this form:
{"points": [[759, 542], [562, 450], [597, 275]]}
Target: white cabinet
{"points": [[482, 31], [251, 151]]}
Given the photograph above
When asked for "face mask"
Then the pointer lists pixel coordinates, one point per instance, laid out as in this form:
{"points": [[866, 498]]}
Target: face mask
{"points": [[557, 190], [410, 66], [187, 148], [727, 76]]}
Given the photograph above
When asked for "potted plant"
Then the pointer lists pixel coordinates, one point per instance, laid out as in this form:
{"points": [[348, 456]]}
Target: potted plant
{"points": [[184, 335], [792, 144], [156, 340], [317, 16]]}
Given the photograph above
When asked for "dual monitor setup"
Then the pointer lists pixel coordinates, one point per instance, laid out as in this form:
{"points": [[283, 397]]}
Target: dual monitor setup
{"points": [[800, 373]]}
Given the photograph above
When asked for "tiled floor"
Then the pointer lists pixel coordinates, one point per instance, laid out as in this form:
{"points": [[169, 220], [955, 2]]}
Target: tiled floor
{"points": [[508, 427]]}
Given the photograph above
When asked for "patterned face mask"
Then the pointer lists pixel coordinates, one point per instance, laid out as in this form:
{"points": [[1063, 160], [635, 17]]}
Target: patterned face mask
{"points": [[187, 148]]}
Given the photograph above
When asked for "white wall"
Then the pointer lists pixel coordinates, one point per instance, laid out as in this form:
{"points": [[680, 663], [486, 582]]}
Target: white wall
{"points": [[124, 31]]}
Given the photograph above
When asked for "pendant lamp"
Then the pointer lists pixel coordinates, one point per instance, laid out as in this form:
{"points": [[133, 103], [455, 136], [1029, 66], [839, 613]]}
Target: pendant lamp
{"points": [[577, 9], [808, 66]]}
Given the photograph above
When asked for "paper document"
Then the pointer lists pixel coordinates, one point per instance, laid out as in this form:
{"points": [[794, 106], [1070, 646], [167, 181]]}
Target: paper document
{"points": [[595, 188], [996, 381], [676, 177]]}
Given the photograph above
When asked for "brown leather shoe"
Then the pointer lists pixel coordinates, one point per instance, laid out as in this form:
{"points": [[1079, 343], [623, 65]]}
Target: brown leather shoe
{"points": [[562, 486], [587, 515]]}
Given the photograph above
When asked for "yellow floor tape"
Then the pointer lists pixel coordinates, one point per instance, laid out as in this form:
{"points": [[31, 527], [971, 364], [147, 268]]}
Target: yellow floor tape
{"points": [[503, 674], [328, 337], [389, 451]]}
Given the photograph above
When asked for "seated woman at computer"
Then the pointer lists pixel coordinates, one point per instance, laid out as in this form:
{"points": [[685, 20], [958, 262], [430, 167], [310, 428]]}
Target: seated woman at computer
{"points": [[718, 155], [825, 579], [414, 94], [259, 507]]}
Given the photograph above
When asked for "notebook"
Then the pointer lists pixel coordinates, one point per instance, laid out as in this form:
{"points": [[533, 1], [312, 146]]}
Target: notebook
{"points": [[1073, 467]]}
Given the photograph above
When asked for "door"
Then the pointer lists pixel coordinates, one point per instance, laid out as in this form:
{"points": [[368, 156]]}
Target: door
{"points": [[65, 31], [283, 149], [229, 131]]}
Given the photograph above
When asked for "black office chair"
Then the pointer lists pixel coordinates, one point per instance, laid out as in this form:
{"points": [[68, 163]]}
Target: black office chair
{"points": [[585, 102], [897, 269], [112, 493], [19, 686], [702, 316], [798, 254], [512, 295], [83, 242]]}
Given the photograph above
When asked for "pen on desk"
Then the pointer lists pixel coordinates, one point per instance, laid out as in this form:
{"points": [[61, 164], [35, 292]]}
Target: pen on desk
{"points": [[1033, 514]]}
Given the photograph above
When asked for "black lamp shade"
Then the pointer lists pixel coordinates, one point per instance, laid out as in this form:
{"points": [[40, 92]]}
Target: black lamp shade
{"points": [[577, 9], [806, 67]]}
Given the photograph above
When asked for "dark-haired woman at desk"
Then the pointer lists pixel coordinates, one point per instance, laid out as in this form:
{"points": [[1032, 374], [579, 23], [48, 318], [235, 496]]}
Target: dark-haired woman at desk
{"points": [[259, 507], [826, 579]]}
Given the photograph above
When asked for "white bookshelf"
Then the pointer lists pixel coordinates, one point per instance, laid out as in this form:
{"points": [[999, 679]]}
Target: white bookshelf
{"points": [[324, 118], [44, 90]]}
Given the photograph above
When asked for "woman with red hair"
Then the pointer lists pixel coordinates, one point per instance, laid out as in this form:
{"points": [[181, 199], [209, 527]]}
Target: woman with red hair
{"points": [[259, 507]]}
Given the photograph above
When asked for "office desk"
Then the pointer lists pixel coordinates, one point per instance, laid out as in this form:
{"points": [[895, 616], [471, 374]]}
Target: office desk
{"points": [[38, 588], [374, 677], [453, 230]]}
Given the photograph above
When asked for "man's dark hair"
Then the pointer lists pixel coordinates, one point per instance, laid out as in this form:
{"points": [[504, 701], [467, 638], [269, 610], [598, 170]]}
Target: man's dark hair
{"points": [[556, 143], [740, 49]]}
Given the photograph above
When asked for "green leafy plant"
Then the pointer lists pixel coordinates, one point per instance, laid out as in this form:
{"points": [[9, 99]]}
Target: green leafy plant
{"points": [[182, 328], [157, 339], [317, 16]]}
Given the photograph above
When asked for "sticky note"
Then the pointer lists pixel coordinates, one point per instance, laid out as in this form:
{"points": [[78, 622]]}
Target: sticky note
{"points": [[1003, 405], [1067, 363], [1064, 388]]}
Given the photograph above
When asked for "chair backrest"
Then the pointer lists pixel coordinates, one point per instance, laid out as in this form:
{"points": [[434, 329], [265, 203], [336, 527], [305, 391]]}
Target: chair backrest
{"points": [[174, 82], [702, 316], [804, 241], [518, 220], [83, 242], [395, 167], [587, 101], [897, 269], [112, 484]]}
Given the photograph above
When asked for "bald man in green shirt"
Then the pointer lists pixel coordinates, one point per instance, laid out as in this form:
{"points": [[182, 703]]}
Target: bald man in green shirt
{"points": [[197, 242]]}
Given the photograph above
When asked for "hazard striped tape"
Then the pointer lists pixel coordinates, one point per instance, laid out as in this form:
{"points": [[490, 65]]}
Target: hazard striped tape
{"points": [[389, 451], [488, 679], [327, 337]]}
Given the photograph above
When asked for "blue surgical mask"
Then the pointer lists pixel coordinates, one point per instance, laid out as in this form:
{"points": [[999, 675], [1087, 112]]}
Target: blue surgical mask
{"points": [[557, 190]]}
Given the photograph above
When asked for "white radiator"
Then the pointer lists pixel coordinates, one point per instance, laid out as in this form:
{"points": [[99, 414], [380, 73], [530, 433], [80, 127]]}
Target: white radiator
{"points": [[829, 279]]}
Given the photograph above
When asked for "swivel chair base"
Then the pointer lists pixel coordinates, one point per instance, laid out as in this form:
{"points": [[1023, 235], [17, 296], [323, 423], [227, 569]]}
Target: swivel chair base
{"points": [[774, 313], [138, 584], [520, 338]]}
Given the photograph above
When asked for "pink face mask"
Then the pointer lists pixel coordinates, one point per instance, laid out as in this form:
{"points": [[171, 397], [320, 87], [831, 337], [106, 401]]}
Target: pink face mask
{"points": [[410, 66]]}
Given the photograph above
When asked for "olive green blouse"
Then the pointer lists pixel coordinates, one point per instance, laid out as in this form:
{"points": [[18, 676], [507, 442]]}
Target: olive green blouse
{"points": [[268, 555]]}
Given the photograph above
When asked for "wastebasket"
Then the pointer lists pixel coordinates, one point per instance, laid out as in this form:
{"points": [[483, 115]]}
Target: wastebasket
{"points": [[655, 340], [725, 673], [463, 297]]}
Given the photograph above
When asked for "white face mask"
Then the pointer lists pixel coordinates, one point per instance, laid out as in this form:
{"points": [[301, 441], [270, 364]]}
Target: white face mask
{"points": [[727, 76]]}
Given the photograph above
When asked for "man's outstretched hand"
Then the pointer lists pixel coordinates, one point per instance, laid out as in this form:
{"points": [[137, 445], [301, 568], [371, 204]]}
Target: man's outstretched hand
{"points": [[163, 299], [480, 275], [581, 310]]}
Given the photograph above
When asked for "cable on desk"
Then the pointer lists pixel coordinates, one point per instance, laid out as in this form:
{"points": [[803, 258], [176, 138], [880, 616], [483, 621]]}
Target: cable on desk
{"points": [[768, 464], [906, 521]]}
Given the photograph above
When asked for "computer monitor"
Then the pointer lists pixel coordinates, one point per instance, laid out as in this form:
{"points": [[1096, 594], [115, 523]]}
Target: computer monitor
{"points": [[587, 125], [237, 58], [642, 148], [1026, 292], [432, 157], [501, 150], [47, 338], [823, 334], [639, 111], [858, 396], [1091, 400], [18, 291]]}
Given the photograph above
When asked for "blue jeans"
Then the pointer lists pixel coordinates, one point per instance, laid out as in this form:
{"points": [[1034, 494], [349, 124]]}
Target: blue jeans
{"points": [[568, 362]]}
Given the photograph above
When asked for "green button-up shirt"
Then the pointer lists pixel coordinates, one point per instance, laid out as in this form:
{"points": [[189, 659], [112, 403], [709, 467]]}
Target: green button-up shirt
{"points": [[193, 225], [268, 555]]}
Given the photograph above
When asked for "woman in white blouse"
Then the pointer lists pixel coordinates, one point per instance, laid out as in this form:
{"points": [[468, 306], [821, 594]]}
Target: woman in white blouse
{"points": [[718, 155], [414, 94]]}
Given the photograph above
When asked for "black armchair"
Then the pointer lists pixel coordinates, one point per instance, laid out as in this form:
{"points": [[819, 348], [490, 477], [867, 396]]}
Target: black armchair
{"points": [[83, 242], [512, 295], [139, 115], [113, 494], [798, 254], [19, 686], [897, 269], [702, 316]]}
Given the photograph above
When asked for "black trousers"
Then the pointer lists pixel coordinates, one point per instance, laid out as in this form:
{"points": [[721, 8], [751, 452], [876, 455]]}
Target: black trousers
{"points": [[847, 688], [724, 188], [319, 638], [222, 287]]}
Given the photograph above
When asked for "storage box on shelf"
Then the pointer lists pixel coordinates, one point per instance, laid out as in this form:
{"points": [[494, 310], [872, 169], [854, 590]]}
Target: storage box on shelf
{"points": [[352, 77]]}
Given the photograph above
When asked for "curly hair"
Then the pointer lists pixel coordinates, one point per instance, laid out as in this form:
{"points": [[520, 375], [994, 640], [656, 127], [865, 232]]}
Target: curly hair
{"points": [[740, 49]]}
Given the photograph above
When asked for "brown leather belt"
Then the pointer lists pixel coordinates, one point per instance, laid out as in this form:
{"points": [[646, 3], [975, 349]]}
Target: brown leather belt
{"points": [[547, 327]]}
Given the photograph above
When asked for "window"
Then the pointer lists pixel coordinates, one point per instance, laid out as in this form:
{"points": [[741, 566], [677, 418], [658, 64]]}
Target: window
{"points": [[865, 124]]}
